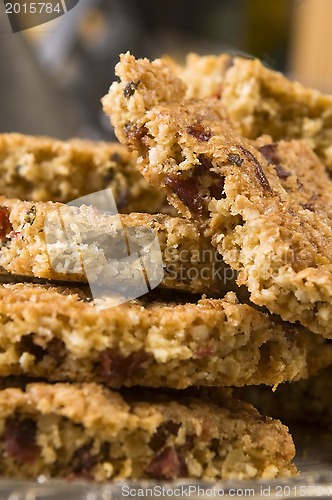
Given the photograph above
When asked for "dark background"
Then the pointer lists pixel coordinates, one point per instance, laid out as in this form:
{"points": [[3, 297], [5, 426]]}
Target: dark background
{"points": [[52, 77]]}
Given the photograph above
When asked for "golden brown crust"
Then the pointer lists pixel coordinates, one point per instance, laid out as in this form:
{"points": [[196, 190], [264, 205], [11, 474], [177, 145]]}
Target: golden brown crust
{"points": [[60, 334], [280, 248], [262, 101], [301, 174]]}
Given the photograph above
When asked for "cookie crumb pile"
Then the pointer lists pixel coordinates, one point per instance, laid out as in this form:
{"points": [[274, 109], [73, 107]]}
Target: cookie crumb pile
{"points": [[227, 163]]}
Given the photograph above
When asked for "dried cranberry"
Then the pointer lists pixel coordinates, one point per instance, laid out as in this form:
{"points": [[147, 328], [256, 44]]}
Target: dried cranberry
{"points": [[167, 464], [199, 132], [20, 440], [5, 225], [282, 173], [270, 153], [161, 434], [114, 367], [187, 192]]}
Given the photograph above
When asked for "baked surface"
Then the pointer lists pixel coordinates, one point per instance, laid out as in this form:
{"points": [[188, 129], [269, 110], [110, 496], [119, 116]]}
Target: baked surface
{"points": [[34, 243], [279, 246], [86, 431], [160, 340], [262, 101], [44, 169]]}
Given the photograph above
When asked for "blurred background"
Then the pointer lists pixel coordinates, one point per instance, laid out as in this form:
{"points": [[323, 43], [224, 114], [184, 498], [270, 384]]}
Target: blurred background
{"points": [[52, 77]]}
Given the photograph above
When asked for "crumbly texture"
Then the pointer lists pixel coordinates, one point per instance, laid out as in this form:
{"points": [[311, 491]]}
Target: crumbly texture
{"points": [[308, 401], [88, 432], [301, 174], [280, 248], [62, 335], [35, 243], [262, 101], [44, 169]]}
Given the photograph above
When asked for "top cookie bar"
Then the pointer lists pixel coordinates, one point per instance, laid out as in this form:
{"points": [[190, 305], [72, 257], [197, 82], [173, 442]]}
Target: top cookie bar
{"points": [[262, 101], [280, 248]]}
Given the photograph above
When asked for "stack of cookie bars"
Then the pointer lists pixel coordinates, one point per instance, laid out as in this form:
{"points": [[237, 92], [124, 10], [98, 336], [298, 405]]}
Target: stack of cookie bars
{"points": [[220, 157]]}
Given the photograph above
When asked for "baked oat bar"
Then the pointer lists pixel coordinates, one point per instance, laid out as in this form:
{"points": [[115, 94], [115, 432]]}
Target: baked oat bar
{"points": [[280, 247], [301, 174], [60, 242], [262, 101], [89, 432], [44, 169], [160, 340], [307, 401]]}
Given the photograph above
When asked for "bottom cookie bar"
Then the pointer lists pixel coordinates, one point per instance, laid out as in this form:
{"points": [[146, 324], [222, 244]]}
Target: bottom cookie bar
{"points": [[86, 431], [307, 401]]}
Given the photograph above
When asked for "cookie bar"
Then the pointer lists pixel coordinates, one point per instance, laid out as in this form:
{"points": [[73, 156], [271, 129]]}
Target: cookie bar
{"points": [[162, 339], [280, 248], [89, 432], [301, 174], [55, 252], [262, 101], [44, 169], [306, 401]]}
